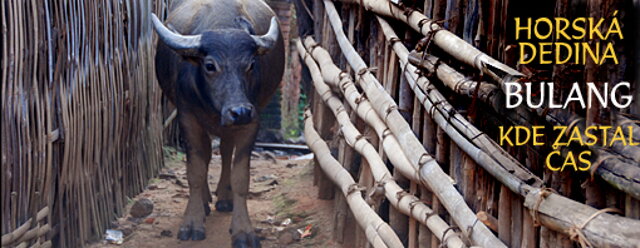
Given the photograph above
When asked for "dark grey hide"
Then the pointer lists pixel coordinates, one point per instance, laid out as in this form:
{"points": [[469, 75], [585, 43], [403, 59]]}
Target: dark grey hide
{"points": [[219, 62]]}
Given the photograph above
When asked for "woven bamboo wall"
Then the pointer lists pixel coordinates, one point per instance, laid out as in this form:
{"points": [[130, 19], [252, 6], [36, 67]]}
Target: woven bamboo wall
{"points": [[81, 116]]}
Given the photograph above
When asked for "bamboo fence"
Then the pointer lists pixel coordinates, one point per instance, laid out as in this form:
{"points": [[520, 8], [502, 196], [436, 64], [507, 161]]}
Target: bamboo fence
{"points": [[619, 172], [81, 117], [453, 171], [394, 193]]}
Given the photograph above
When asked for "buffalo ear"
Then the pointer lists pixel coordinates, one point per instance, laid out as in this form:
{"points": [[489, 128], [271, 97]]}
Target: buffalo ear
{"points": [[244, 24]]}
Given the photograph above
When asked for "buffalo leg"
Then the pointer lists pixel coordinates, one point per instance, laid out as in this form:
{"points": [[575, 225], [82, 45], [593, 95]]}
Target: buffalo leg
{"points": [[206, 193], [225, 197], [198, 156], [241, 230]]}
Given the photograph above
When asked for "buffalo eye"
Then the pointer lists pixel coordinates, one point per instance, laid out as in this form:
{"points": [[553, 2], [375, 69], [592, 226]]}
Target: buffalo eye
{"points": [[210, 67]]}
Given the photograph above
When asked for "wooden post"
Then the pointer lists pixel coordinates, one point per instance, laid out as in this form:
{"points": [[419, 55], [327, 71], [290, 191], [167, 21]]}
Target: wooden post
{"points": [[455, 165], [416, 125], [488, 220], [326, 120], [413, 224], [455, 16], [429, 140], [631, 207], [439, 9], [545, 237], [504, 215], [595, 196], [428, 8], [529, 231], [470, 190], [442, 156], [345, 229], [516, 220], [424, 234], [562, 182], [323, 125], [398, 221], [318, 20]]}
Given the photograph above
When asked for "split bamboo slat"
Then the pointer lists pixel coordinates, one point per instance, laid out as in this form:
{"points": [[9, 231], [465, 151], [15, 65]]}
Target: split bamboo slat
{"points": [[81, 117], [407, 203], [561, 219], [431, 173]]}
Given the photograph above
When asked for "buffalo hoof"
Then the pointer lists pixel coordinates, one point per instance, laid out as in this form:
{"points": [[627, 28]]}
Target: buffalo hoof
{"points": [[186, 233], [198, 235], [246, 240], [224, 206], [207, 209]]}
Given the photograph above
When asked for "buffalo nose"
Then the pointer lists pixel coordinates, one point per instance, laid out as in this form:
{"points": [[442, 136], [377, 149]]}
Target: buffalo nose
{"points": [[240, 115]]}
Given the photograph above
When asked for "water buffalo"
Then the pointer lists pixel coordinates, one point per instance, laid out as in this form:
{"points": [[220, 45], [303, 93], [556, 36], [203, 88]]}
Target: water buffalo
{"points": [[219, 62]]}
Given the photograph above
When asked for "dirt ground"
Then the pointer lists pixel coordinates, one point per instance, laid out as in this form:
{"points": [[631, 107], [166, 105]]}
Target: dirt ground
{"points": [[281, 191]]}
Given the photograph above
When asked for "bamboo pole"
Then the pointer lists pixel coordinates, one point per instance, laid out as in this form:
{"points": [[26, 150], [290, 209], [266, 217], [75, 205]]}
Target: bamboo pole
{"points": [[334, 76], [626, 122], [16, 234], [560, 221], [619, 171], [409, 204], [508, 171], [468, 54], [444, 39], [378, 232], [430, 172], [456, 81]]}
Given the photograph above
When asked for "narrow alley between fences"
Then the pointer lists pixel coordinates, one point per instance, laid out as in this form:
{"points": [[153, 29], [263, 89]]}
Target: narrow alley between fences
{"points": [[386, 129], [285, 211]]}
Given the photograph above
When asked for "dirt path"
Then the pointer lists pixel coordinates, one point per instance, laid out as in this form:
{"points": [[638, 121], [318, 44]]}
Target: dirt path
{"points": [[281, 191]]}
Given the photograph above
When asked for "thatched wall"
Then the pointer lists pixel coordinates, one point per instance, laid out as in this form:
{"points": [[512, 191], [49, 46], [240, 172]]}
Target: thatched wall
{"points": [[81, 116]]}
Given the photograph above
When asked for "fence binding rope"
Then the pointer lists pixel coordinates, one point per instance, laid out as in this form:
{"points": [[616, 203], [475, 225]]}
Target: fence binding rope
{"points": [[576, 234]]}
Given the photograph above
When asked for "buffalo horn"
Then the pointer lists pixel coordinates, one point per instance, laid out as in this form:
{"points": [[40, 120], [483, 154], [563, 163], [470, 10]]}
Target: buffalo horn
{"points": [[182, 44], [267, 41]]}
